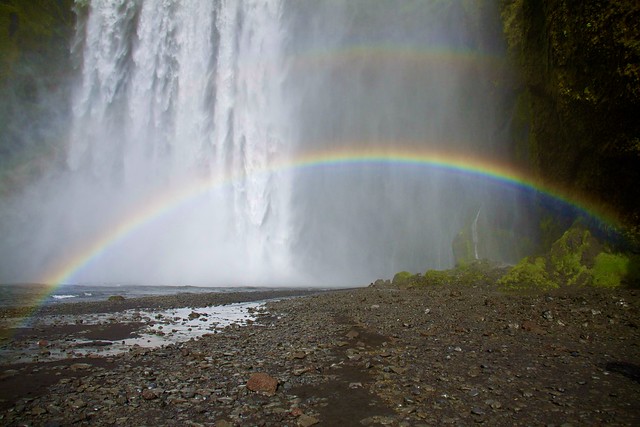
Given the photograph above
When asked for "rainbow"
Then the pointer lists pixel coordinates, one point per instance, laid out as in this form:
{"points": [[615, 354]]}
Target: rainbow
{"points": [[161, 204]]}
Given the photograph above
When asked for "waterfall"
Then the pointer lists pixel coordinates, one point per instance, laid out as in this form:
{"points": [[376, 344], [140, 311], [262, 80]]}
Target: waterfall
{"points": [[204, 136], [474, 234], [182, 92]]}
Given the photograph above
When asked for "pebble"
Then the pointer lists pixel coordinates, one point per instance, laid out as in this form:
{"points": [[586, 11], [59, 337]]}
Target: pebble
{"points": [[305, 357]]}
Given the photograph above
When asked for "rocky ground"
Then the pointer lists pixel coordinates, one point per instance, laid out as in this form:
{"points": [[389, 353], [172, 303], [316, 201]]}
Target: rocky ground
{"points": [[370, 356]]}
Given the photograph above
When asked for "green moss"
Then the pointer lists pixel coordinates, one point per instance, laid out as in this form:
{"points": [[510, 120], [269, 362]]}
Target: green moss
{"points": [[435, 277], [401, 278], [529, 273], [472, 274], [569, 257], [32, 26], [610, 269], [575, 259]]}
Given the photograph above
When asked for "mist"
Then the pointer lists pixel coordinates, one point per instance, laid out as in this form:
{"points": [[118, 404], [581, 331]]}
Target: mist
{"points": [[180, 132]]}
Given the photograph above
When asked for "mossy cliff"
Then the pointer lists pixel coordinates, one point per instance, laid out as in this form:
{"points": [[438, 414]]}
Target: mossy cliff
{"points": [[576, 259], [35, 69], [578, 95]]}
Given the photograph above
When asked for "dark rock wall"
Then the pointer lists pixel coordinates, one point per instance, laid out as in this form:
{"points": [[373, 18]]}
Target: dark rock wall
{"points": [[577, 115], [35, 72]]}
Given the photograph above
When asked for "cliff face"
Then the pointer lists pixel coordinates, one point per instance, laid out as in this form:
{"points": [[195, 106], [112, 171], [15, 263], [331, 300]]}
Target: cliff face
{"points": [[576, 120], [35, 68]]}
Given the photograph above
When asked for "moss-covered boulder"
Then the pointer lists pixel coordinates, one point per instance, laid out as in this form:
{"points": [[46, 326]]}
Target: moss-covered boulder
{"points": [[572, 256], [612, 270], [400, 279], [529, 274], [577, 258]]}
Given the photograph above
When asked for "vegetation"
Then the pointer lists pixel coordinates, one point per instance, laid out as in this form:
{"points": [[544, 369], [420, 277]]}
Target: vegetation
{"points": [[610, 270], [401, 278], [474, 273], [576, 259], [35, 67], [530, 273], [578, 93]]}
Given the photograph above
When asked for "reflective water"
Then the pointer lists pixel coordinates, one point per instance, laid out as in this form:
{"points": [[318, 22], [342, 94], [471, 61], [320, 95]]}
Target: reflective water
{"points": [[151, 329]]}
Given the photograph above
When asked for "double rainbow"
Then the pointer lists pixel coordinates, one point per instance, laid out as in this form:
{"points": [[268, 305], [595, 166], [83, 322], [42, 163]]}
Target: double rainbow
{"points": [[162, 203]]}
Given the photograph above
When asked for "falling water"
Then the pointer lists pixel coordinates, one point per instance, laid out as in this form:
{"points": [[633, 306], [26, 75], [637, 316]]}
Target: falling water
{"points": [[173, 94], [187, 92], [474, 234]]}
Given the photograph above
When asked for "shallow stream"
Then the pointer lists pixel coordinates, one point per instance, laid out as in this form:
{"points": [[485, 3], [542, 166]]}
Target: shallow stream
{"points": [[57, 337]]}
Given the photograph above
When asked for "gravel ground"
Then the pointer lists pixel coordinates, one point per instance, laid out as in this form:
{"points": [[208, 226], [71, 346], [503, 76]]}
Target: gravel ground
{"points": [[369, 356]]}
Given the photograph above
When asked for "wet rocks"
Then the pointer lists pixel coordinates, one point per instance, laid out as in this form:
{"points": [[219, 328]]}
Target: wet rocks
{"points": [[331, 359]]}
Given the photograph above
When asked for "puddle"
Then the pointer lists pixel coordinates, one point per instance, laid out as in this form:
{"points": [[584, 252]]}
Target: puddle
{"points": [[59, 337]]}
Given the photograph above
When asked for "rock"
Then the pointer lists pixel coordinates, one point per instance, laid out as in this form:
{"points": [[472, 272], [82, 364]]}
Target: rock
{"points": [[477, 411], [381, 284], [79, 366], [116, 298], [263, 383], [8, 373], [37, 410], [301, 371], [188, 393], [78, 404], [352, 334], [397, 370], [530, 326], [494, 404], [307, 421], [148, 394]]}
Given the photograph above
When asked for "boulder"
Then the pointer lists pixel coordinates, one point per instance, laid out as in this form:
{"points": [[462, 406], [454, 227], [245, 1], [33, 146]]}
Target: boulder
{"points": [[262, 383]]}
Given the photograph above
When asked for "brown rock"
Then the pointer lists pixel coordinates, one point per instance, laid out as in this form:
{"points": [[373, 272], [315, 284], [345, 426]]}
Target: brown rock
{"points": [[148, 394], [307, 421], [352, 334], [79, 366], [38, 410], [530, 326], [262, 383]]}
